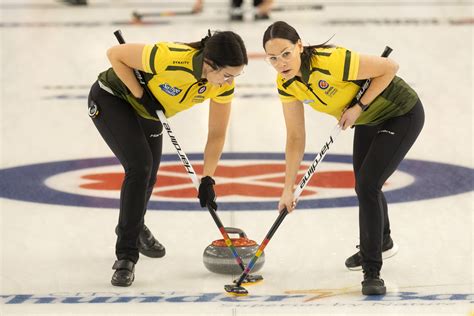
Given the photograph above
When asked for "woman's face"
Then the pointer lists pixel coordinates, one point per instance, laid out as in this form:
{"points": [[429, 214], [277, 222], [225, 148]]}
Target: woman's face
{"points": [[284, 56], [223, 75]]}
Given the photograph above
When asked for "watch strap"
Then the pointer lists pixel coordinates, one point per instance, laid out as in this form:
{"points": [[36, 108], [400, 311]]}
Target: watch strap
{"points": [[363, 106]]}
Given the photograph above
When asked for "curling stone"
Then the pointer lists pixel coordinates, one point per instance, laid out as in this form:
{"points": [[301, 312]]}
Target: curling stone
{"points": [[218, 258]]}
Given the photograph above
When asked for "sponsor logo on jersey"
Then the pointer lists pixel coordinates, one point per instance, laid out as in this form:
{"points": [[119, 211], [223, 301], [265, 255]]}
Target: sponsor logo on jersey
{"points": [[330, 92], [202, 89], [173, 91], [198, 99], [180, 62]]}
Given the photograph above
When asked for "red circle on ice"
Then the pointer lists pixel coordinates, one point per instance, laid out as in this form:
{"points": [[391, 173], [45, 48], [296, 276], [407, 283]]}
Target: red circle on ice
{"points": [[255, 180]]}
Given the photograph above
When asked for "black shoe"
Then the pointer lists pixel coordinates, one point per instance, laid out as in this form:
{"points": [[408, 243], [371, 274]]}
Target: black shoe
{"points": [[389, 249], [124, 273], [261, 16], [373, 284], [148, 245], [236, 17], [75, 2], [236, 14]]}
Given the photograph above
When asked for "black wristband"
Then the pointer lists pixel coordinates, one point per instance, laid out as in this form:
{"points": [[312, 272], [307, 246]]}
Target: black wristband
{"points": [[208, 180], [363, 106]]}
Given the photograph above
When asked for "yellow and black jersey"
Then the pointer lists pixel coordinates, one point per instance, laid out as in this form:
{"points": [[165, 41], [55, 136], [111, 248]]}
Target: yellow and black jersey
{"points": [[328, 84], [173, 74]]}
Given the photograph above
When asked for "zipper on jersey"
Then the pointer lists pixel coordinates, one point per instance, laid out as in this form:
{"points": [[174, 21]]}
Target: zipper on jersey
{"points": [[314, 93], [308, 85]]}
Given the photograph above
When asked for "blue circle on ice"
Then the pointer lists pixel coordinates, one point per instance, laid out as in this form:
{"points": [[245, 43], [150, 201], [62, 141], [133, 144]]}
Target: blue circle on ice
{"points": [[431, 180]]}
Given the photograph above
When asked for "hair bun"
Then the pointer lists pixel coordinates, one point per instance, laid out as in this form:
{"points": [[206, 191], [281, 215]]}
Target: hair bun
{"points": [[205, 38]]}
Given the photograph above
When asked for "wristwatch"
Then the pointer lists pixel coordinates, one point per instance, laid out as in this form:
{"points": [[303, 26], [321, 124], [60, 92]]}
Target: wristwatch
{"points": [[363, 106]]}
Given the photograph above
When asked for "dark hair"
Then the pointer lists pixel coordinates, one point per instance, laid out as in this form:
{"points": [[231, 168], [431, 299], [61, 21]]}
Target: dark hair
{"points": [[222, 49], [283, 30]]}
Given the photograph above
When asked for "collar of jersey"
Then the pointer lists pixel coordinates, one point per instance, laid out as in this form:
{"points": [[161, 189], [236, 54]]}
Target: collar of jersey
{"points": [[304, 72], [198, 60], [303, 79]]}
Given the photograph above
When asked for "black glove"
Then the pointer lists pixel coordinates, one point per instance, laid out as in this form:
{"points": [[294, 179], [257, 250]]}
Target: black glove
{"points": [[150, 105], [206, 193]]}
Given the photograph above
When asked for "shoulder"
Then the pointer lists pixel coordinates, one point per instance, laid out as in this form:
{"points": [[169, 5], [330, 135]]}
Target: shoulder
{"points": [[174, 53], [343, 52], [177, 47], [329, 53], [173, 48]]}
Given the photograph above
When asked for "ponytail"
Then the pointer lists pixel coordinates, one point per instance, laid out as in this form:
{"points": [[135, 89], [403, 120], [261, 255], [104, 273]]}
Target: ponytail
{"points": [[310, 51], [222, 49], [202, 43]]}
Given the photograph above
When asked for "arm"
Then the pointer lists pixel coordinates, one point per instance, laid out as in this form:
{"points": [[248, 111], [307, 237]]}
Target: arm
{"points": [[219, 114], [124, 58], [381, 71], [295, 145]]}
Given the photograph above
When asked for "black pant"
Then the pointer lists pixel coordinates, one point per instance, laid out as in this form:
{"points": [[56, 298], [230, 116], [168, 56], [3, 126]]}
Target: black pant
{"points": [[378, 150], [137, 143], [238, 3]]}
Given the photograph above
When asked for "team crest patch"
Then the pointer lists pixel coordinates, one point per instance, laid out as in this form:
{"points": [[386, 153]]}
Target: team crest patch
{"points": [[202, 89], [323, 84], [173, 91]]}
